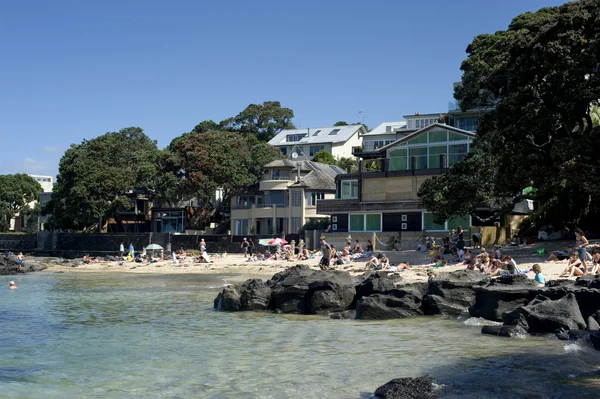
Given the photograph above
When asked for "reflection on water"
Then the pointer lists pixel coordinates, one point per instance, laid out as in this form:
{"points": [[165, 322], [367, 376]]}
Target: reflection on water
{"points": [[135, 336]]}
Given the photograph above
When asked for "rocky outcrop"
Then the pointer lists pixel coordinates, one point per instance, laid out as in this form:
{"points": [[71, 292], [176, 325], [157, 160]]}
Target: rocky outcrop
{"points": [[385, 306], [409, 388], [502, 295], [251, 295], [9, 264], [452, 293]]}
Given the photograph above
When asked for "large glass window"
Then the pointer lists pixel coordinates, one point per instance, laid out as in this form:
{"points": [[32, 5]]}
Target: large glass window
{"points": [[373, 222], [241, 227], [434, 156], [398, 159], [430, 225], [349, 189], [462, 221], [452, 136], [456, 153], [296, 198], [365, 222], [290, 138], [421, 154], [357, 222], [420, 139], [437, 136]]}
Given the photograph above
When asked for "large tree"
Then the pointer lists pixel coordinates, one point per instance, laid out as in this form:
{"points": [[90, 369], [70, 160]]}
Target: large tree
{"points": [[217, 160], [95, 176], [540, 80], [16, 193], [263, 121]]}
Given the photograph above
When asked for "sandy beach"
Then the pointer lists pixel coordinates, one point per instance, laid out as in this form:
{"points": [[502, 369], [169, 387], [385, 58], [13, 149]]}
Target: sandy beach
{"points": [[240, 269]]}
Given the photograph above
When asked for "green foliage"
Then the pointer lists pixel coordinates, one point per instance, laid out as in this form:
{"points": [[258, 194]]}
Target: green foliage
{"points": [[347, 163], [263, 121], [94, 176], [203, 163], [540, 79], [16, 192], [341, 123], [324, 157], [314, 224]]}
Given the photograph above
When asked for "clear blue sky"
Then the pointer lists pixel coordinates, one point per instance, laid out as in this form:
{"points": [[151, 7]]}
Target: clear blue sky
{"points": [[73, 70]]}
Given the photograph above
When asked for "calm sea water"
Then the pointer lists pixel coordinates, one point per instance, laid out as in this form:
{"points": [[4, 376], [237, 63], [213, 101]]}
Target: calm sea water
{"points": [[136, 336]]}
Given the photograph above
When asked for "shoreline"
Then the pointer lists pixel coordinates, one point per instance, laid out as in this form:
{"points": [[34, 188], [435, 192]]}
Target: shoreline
{"points": [[235, 264]]}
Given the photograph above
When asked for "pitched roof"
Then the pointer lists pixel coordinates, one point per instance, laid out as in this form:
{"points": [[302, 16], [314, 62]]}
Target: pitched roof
{"points": [[382, 128], [318, 135], [426, 129], [320, 176]]}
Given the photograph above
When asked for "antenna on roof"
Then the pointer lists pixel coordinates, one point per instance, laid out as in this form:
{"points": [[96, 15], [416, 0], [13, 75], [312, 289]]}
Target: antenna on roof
{"points": [[363, 115]]}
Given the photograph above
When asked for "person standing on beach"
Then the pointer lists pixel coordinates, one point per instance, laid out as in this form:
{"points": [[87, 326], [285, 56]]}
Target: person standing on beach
{"points": [[244, 246], [326, 251], [131, 250], [121, 249], [581, 248]]}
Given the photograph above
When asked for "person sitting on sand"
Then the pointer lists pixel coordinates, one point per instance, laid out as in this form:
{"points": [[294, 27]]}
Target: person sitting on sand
{"points": [[539, 277], [595, 261], [358, 248], [181, 254], [558, 256], [373, 263], [86, 259], [467, 257], [369, 246], [471, 265], [12, 285], [574, 266], [385, 262]]}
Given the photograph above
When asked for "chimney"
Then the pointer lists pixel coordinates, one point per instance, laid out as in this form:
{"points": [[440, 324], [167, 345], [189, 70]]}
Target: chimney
{"points": [[388, 129], [298, 172], [417, 113]]}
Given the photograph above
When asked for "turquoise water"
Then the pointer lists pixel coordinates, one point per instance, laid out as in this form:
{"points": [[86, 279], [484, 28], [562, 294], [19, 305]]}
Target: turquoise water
{"points": [[94, 335]]}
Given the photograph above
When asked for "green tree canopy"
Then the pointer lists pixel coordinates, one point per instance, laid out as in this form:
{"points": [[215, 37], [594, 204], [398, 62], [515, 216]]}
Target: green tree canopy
{"points": [[94, 176], [263, 121], [215, 160], [16, 193], [540, 81], [324, 157]]}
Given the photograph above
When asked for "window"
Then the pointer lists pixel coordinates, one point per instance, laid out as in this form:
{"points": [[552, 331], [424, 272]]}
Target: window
{"points": [[300, 150], [456, 153], [311, 198], [283, 150], [316, 133], [336, 169], [315, 148], [357, 222], [334, 132], [241, 227], [420, 139], [434, 156], [398, 159], [462, 221], [437, 136], [277, 174], [418, 124], [349, 189], [365, 222], [296, 224], [421, 154], [296, 198], [276, 198], [291, 138], [430, 225], [457, 136]]}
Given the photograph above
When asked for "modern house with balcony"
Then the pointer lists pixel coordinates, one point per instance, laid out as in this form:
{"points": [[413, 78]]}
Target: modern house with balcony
{"points": [[382, 195], [336, 140], [285, 198]]}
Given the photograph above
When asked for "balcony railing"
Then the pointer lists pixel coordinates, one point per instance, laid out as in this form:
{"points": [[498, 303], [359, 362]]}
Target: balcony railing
{"points": [[365, 148], [248, 205]]}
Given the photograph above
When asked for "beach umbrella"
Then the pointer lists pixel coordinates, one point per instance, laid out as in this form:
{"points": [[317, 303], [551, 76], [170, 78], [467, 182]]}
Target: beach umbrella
{"points": [[277, 241], [153, 247], [264, 241]]}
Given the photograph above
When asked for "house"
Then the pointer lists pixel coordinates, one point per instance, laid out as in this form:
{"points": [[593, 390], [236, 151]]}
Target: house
{"points": [[285, 197], [19, 222], [465, 120], [382, 195], [384, 134], [337, 140]]}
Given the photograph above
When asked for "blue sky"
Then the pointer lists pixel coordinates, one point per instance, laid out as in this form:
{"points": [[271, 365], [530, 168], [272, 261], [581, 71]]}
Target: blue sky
{"points": [[73, 70]]}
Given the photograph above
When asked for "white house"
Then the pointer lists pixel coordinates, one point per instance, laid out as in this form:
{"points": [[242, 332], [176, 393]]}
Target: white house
{"points": [[337, 140], [285, 197], [18, 223]]}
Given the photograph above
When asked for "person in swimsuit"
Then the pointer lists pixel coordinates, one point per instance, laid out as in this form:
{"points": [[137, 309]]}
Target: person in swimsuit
{"points": [[580, 246]]}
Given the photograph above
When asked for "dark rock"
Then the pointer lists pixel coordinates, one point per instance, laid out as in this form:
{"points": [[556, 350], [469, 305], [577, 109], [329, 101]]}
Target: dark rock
{"points": [[543, 315], [514, 279], [560, 283], [251, 295], [503, 331], [595, 339], [452, 293], [375, 283], [434, 304], [574, 335], [588, 281], [302, 290], [345, 315], [409, 388], [492, 301], [592, 324], [9, 264], [380, 307]]}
